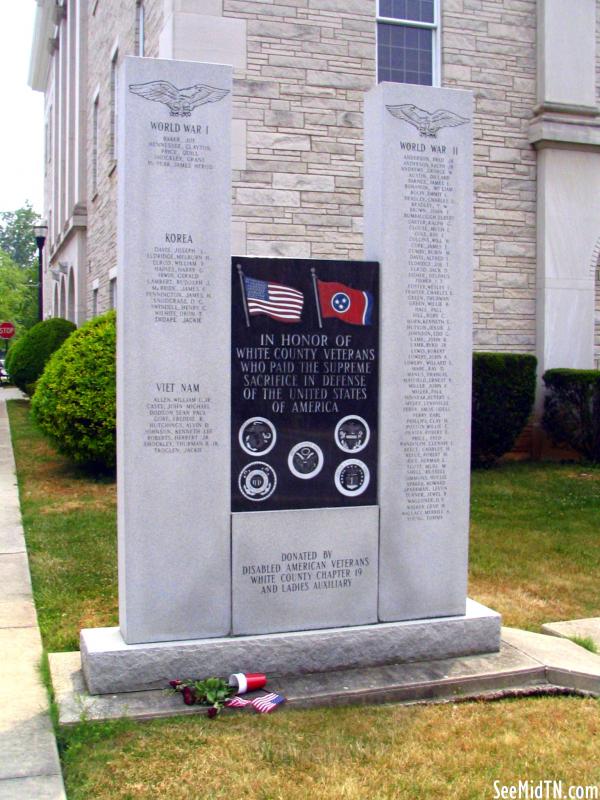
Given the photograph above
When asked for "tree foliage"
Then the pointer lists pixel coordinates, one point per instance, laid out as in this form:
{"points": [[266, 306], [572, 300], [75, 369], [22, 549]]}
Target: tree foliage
{"points": [[18, 294], [16, 235]]}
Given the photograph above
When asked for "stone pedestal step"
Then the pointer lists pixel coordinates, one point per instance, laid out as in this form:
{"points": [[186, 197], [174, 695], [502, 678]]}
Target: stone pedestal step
{"points": [[110, 665], [526, 664]]}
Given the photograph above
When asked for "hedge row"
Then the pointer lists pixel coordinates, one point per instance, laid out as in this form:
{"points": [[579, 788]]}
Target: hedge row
{"points": [[503, 395], [572, 409]]}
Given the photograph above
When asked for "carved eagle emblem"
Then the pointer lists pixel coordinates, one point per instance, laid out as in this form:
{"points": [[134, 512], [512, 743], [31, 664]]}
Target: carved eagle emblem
{"points": [[181, 102], [428, 124]]}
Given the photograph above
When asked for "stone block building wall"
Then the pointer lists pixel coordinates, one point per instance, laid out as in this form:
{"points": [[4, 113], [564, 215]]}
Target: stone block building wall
{"points": [[489, 47], [111, 34], [309, 63], [49, 165], [111, 24], [300, 76]]}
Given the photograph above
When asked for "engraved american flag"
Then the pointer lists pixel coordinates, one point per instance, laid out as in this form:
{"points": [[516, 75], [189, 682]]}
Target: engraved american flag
{"points": [[273, 299]]}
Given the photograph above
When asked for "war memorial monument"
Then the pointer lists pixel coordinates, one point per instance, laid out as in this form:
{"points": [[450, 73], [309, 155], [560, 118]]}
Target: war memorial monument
{"points": [[293, 435]]}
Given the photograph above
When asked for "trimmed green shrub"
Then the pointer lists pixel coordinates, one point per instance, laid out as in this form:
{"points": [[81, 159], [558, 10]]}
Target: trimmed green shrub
{"points": [[27, 358], [503, 395], [572, 409], [74, 403]]}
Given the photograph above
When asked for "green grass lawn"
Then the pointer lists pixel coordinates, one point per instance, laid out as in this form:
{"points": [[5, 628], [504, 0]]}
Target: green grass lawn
{"points": [[535, 542], [535, 556], [439, 752], [70, 527]]}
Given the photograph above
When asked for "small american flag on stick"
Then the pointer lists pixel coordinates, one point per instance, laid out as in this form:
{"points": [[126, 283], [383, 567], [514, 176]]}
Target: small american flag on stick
{"points": [[263, 704], [275, 300], [237, 702], [267, 702]]}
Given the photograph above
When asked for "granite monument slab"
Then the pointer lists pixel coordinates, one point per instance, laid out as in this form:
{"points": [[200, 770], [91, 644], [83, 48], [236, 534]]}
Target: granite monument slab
{"points": [[418, 225], [173, 373]]}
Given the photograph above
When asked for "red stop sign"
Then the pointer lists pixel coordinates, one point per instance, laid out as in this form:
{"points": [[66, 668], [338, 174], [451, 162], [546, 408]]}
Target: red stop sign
{"points": [[7, 330]]}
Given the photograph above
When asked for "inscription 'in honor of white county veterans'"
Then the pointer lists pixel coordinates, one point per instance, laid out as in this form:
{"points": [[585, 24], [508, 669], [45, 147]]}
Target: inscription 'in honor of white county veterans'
{"points": [[173, 371], [418, 224]]}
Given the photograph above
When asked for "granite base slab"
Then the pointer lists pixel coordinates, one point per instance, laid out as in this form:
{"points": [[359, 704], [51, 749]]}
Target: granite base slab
{"points": [[525, 665], [109, 665], [487, 676]]}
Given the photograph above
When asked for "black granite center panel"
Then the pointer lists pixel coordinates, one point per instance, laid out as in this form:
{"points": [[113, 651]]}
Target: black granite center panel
{"points": [[304, 383]]}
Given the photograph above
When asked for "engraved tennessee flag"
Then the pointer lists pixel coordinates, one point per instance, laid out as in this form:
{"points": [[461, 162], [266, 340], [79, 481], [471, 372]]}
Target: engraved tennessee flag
{"points": [[353, 306]]}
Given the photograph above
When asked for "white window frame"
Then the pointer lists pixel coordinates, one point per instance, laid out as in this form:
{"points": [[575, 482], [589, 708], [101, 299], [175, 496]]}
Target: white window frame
{"points": [[140, 29], [114, 100], [48, 139], [112, 288], [95, 295], [436, 38], [95, 141]]}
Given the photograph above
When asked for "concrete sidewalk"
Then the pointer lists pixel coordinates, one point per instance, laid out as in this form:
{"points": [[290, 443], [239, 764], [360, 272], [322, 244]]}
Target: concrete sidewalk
{"points": [[29, 764]]}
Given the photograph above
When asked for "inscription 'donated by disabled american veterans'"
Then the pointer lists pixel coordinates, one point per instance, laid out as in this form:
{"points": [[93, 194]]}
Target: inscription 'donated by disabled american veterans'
{"points": [[307, 571]]}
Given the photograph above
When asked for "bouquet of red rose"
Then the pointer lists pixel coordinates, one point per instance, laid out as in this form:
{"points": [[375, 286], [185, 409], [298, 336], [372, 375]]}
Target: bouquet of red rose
{"points": [[212, 692]]}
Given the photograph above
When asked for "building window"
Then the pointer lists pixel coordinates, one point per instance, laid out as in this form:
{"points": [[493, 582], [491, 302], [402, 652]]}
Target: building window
{"points": [[48, 136], [140, 33], [112, 293], [408, 41], [95, 122], [95, 301], [114, 90]]}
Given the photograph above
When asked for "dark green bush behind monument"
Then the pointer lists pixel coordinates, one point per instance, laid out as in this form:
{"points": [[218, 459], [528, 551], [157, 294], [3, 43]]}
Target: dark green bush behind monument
{"points": [[572, 409], [29, 355], [75, 400], [503, 395]]}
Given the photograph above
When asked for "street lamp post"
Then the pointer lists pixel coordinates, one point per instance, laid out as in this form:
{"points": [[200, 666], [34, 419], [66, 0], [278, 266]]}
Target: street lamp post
{"points": [[40, 231]]}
